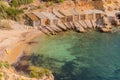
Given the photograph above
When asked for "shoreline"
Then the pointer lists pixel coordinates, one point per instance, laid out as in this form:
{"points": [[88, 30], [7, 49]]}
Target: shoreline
{"points": [[14, 51], [23, 45]]}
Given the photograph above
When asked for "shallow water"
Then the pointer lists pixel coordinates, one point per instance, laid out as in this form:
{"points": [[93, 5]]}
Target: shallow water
{"points": [[76, 56]]}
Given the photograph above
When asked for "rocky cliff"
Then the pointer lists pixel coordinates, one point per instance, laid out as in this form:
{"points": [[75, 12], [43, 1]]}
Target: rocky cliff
{"points": [[85, 4], [110, 5]]}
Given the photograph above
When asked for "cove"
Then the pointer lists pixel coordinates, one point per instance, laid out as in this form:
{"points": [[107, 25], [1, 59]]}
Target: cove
{"points": [[77, 56]]}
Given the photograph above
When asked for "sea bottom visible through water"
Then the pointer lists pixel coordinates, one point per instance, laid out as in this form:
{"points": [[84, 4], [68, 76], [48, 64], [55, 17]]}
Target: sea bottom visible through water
{"points": [[77, 56]]}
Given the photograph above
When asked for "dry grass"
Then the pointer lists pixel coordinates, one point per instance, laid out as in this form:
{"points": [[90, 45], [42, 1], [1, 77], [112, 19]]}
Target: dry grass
{"points": [[5, 24]]}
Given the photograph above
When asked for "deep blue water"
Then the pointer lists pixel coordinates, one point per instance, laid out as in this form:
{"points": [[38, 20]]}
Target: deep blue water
{"points": [[77, 56]]}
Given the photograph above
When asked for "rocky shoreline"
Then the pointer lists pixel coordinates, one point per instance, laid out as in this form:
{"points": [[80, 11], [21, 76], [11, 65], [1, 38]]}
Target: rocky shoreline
{"points": [[14, 52], [24, 43]]}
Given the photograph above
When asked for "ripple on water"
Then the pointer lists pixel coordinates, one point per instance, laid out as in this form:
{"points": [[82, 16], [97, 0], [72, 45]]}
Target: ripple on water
{"points": [[74, 56]]}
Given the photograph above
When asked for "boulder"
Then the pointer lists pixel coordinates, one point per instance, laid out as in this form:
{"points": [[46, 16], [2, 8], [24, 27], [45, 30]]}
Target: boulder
{"points": [[103, 29]]}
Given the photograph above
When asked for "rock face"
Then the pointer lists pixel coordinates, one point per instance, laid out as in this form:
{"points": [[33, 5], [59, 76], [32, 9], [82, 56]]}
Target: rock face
{"points": [[110, 5], [88, 4]]}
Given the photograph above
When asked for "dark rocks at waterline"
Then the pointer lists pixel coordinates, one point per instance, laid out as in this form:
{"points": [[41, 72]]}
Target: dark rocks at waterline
{"points": [[32, 42], [103, 29], [80, 29]]}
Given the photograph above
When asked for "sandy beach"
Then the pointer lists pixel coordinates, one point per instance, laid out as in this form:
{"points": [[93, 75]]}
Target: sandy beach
{"points": [[14, 42]]}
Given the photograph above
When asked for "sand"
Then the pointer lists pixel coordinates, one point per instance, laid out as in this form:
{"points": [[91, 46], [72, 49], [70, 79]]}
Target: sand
{"points": [[14, 42]]}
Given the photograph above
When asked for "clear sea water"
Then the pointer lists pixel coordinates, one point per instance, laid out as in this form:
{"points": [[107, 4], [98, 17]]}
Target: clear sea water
{"points": [[79, 56]]}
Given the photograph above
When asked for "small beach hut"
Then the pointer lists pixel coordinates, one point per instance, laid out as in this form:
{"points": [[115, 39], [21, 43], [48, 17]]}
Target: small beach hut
{"points": [[75, 15], [67, 15], [82, 15], [58, 15], [31, 20], [89, 14], [98, 13], [51, 19], [42, 18], [93, 14]]}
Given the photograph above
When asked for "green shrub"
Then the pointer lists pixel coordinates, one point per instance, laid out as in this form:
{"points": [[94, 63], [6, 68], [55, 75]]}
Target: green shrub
{"points": [[17, 3], [59, 1], [3, 7], [12, 13], [1, 76], [39, 6], [49, 3], [37, 72], [4, 64], [8, 12]]}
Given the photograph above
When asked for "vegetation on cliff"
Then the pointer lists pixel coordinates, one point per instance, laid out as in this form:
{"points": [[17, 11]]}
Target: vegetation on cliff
{"points": [[58, 1], [29, 69], [8, 12], [18, 3], [38, 72], [4, 64], [7, 72]]}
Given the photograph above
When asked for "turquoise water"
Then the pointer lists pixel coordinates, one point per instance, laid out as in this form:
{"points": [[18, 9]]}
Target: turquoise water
{"points": [[77, 56]]}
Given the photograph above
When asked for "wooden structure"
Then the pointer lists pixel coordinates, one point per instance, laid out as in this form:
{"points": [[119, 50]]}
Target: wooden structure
{"points": [[84, 18], [82, 15], [58, 15], [32, 20], [51, 19], [89, 14], [67, 15], [42, 18], [98, 13], [75, 14]]}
